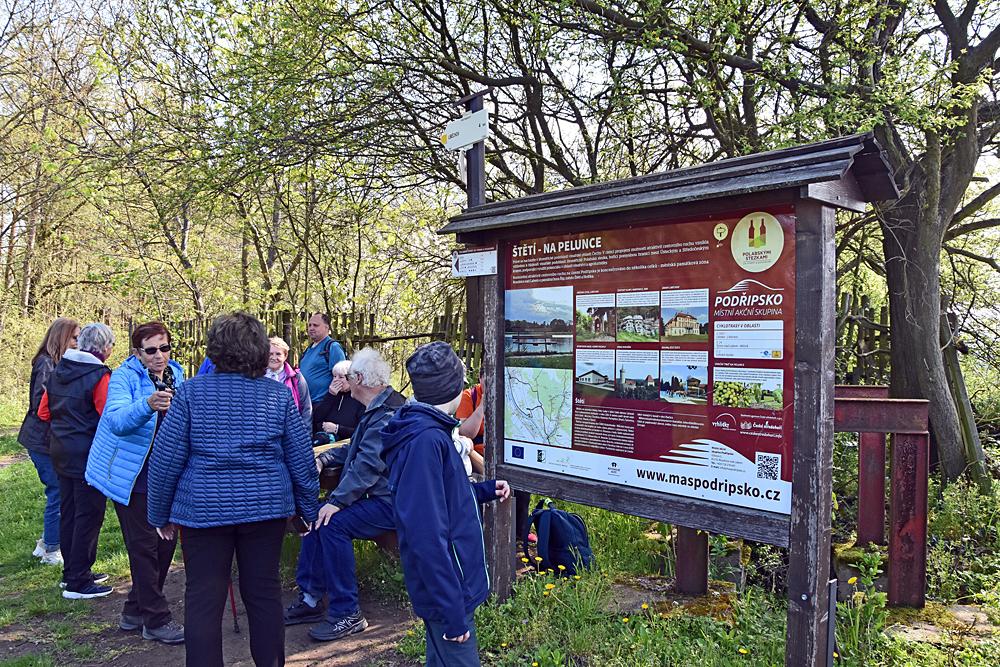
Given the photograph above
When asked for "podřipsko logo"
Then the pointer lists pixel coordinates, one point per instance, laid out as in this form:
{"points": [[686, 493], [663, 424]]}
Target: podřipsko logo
{"points": [[757, 242]]}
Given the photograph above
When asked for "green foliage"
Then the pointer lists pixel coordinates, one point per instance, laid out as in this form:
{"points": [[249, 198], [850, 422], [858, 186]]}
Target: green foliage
{"points": [[862, 618], [963, 558], [567, 621]]}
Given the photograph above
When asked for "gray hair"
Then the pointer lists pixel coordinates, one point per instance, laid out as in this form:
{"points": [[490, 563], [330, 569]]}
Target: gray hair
{"points": [[95, 337], [369, 363], [341, 367]]}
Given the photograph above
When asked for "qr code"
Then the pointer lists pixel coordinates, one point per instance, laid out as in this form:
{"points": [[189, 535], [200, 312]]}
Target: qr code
{"points": [[768, 466]]}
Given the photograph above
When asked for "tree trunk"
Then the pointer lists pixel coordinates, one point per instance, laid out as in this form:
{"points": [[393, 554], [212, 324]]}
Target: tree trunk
{"points": [[912, 247]]}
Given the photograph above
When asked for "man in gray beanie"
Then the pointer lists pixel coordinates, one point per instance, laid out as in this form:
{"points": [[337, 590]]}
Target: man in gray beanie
{"points": [[436, 509]]}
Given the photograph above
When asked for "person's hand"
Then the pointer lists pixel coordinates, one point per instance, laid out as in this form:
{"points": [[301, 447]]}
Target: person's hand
{"points": [[503, 489], [159, 400], [460, 639], [167, 532], [339, 385], [330, 427], [326, 513], [319, 466]]}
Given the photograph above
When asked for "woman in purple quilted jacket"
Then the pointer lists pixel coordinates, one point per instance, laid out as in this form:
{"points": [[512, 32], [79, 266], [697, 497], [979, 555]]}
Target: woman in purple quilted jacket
{"points": [[232, 461]]}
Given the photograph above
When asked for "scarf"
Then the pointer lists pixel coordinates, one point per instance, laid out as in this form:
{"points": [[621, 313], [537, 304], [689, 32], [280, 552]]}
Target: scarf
{"points": [[168, 378], [278, 375]]}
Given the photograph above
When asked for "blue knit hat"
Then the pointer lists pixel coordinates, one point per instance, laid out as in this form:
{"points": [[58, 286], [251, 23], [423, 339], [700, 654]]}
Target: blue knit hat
{"points": [[436, 373]]}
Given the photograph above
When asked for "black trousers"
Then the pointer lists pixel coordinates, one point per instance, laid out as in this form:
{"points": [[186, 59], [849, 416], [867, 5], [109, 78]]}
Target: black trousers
{"points": [[148, 561], [208, 561], [81, 517]]}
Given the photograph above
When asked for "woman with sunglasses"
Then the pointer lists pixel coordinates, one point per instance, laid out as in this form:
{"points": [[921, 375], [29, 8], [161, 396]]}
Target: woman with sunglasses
{"points": [[139, 396]]}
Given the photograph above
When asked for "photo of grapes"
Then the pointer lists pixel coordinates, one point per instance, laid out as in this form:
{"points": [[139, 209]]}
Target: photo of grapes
{"points": [[750, 395]]}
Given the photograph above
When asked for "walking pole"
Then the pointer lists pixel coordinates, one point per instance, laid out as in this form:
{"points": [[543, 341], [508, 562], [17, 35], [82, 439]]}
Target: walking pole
{"points": [[232, 604]]}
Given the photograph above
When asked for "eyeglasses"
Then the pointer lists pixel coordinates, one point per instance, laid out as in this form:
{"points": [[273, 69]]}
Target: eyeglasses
{"points": [[152, 350]]}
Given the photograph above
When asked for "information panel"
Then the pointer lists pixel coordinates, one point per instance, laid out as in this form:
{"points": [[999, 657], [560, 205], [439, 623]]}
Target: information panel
{"points": [[658, 357]]}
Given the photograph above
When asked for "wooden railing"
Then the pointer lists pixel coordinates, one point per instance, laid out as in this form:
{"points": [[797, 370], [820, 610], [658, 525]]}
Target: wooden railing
{"points": [[869, 411]]}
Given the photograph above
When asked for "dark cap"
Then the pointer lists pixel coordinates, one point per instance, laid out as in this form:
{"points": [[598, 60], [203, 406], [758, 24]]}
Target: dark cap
{"points": [[436, 373]]}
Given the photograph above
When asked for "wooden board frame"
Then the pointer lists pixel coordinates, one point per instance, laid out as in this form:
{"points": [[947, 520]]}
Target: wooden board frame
{"points": [[807, 530]]}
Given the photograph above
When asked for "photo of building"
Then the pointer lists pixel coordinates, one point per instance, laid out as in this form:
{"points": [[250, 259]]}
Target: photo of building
{"points": [[682, 325]]}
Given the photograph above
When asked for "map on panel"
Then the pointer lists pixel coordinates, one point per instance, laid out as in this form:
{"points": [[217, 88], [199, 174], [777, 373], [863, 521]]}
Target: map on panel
{"points": [[539, 405]]}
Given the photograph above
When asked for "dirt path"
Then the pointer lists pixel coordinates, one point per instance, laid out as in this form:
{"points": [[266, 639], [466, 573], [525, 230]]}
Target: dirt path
{"points": [[376, 646]]}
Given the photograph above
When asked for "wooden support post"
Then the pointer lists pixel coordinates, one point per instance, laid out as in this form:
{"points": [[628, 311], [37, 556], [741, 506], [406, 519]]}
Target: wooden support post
{"points": [[871, 488], [908, 520], [812, 454], [692, 561], [499, 516]]}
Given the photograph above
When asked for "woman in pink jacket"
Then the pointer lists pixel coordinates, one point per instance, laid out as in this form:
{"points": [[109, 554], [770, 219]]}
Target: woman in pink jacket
{"points": [[279, 369]]}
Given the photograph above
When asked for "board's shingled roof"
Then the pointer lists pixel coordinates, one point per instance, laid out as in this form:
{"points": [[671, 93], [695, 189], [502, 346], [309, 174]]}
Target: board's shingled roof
{"points": [[825, 161]]}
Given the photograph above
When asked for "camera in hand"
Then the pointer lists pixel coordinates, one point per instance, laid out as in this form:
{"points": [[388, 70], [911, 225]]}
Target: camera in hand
{"points": [[161, 386]]}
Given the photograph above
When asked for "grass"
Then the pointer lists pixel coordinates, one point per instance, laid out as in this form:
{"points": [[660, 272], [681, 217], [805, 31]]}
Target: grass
{"points": [[590, 391], [686, 338], [10, 415], [629, 337], [29, 590], [539, 361]]}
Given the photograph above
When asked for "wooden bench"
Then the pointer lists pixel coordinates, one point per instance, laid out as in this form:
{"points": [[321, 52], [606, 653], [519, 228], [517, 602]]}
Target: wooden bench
{"points": [[329, 478]]}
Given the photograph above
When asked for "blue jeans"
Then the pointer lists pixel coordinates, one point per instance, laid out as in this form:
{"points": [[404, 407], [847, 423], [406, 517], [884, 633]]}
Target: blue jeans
{"points": [[47, 474], [326, 561], [441, 653]]}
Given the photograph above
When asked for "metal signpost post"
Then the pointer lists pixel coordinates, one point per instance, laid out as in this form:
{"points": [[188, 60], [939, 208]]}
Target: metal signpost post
{"points": [[663, 347]]}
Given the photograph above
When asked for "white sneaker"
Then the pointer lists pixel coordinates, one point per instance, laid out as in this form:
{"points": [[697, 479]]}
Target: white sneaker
{"points": [[52, 557], [39, 549]]}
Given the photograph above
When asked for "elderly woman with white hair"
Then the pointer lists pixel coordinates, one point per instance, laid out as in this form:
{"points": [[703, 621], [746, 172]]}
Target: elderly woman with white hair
{"points": [[73, 402], [337, 412]]}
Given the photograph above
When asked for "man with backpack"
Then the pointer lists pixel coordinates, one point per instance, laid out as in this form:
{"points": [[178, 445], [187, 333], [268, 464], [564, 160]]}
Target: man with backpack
{"points": [[321, 356]]}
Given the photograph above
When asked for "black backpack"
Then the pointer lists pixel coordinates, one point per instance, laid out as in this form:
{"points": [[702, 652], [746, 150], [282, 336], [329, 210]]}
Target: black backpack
{"points": [[562, 539]]}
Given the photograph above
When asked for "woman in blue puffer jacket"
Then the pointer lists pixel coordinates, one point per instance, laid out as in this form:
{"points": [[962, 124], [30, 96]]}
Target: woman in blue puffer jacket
{"points": [[232, 462], [139, 395]]}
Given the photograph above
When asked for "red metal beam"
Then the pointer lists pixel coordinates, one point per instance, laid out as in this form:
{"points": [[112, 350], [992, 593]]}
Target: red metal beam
{"points": [[861, 391], [908, 520], [880, 415], [871, 489]]}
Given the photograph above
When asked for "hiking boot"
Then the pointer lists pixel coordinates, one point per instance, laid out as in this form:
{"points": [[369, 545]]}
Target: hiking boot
{"points": [[300, 612], [129, 623], [349, 625], [98, 578], [170, 633], [52, 558], [39, 549], [89, 591]]}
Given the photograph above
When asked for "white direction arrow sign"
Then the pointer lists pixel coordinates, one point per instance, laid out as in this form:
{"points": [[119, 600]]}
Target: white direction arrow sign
{"points": [[466, 130]]}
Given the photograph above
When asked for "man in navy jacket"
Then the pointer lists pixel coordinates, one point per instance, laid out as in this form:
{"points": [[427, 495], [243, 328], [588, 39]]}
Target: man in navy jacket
{"points": [[436, 508], [357, 509]]}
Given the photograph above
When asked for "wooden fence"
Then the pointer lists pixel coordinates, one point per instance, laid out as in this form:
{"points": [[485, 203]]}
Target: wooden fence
{"points": [[353, 331], [862, 341]]}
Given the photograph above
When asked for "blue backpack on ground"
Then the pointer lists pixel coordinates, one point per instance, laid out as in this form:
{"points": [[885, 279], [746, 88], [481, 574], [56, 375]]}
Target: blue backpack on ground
{"points": [[562, 539]]}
